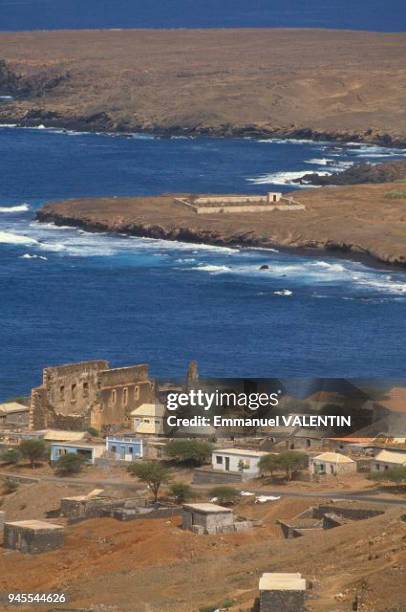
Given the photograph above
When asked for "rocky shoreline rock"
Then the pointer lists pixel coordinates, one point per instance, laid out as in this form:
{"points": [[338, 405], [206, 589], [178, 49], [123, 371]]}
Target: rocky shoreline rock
{"points": [[358, 174]]}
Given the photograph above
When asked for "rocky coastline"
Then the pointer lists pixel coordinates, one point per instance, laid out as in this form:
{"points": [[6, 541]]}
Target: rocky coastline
{"points": [[312, 231]]}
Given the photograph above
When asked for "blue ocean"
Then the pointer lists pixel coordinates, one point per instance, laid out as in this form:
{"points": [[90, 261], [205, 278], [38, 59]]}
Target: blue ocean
{"points": [[374, 15], [69, 295]]}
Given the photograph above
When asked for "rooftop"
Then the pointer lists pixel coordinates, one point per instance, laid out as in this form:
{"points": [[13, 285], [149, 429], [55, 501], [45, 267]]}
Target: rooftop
{"points": [[34, 524], [333, 458], [59, 435], [391, 457], [149, 410], [10, 407], [206, 508], [246, 452], [282, 582]]}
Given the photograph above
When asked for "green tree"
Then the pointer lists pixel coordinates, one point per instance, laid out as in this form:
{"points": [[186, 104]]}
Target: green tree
{"points": [[34, 450], [224, 494], [71, 463], [396, 475], [291, 461], [189, 452], [181, 491], [268, 464], [11, 456], [93, 432], [154, 474]]}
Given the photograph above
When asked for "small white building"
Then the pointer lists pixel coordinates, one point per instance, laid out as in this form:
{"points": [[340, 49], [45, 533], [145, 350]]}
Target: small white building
{"points": [[238, 460], [332, 463], [89, 452], [387, 460], [148, 419]]}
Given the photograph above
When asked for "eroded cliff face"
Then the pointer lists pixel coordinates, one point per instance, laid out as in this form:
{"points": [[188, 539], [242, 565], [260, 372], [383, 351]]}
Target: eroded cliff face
{"points": [[352, 221]]}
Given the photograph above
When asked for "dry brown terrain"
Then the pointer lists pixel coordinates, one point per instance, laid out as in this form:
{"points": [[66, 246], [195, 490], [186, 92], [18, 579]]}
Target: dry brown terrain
{"points": [[352, 220], [152, 565], [314, 83]]}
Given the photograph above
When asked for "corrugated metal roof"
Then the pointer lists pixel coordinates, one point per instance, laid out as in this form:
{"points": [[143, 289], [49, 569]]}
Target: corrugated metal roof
{"points": [[10, 407], [149, 410], [391, 457], [56, 435], [333, 458]]}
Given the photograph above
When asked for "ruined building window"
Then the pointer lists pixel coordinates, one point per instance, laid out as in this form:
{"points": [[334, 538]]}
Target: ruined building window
{"points": [[85, 389], [136, 392], [73, 392], [125, 396], [62, 393], [113, 396]]}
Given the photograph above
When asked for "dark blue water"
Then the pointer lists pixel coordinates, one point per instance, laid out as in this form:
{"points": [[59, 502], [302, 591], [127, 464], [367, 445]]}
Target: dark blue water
{"points": [[379, 15], [68, 295]]}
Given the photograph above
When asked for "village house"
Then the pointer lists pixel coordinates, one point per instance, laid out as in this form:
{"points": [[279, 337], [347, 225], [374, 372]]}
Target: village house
{"points": [[14, 414], [209, 518], [77, 396], [387, 460], [148, 419], [237, 460], [124, 448], [90, 452], [332, 463]]}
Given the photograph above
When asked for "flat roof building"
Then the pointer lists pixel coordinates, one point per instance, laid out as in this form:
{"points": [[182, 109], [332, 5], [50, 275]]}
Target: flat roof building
{"points": [[238, 460], [33, 536], [282, 592]]}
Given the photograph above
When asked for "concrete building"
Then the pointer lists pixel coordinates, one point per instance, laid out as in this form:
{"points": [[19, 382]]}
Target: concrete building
{"points": [[79, 395], [237, 460], [208, 518], [125, 448], [332, 463], [148, 419], [212, 204], [90, 452], [282, 592], [33, 536], [14, 414], [387, 460]]}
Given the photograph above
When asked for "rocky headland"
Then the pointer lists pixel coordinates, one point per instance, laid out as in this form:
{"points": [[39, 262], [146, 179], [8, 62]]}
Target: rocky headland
{"points": [[357, 221], [320, 84], [359, 173]]}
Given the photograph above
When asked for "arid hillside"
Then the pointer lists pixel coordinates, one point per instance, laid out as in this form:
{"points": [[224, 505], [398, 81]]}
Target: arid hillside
{"points": [[308, 83], [356, 220]]}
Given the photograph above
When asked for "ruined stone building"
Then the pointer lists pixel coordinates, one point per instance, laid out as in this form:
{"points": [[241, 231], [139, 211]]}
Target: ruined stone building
{"points": [[80, 395]]}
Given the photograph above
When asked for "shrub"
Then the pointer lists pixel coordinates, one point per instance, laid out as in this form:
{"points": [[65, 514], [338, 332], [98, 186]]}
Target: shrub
{"points": [[396, 474], [268, 464], [224, 494], [154, 474], [93, 432], [11, 456], [33, 450], [10, 486], [189, 452], [395, 195], [181, 491], [71, 463]]}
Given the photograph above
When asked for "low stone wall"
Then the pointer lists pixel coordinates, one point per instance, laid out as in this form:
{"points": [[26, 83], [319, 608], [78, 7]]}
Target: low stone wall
{"points": [[355, 514], [278, 601], [32, 540], [204, 476]]}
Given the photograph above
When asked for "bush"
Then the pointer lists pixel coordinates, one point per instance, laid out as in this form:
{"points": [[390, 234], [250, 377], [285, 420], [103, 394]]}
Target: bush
{"points": [[71, 463], [396, 475], [181, 491], [10, 456], [189, 452], [34, 450], [93, 432], [10, 486], [395, 195], [224, 494], [154, 474], [289, 461]]}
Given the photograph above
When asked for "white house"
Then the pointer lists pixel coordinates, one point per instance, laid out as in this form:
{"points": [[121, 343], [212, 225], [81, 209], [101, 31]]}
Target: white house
{"points": [[332, 463], [237, 460], [148, 419], [386, 460], [89, 452]]}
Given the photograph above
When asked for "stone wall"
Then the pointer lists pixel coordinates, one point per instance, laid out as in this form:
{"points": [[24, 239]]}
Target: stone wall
{"points": [[30, 540], [278, 601]]}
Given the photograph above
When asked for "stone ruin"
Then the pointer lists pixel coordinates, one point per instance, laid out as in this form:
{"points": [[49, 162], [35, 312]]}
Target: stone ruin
{"points": [[208, 518], [33, 536]]}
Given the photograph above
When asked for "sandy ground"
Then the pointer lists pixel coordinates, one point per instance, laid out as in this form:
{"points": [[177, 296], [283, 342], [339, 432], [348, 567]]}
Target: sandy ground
{"points": [[263, 81]]}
